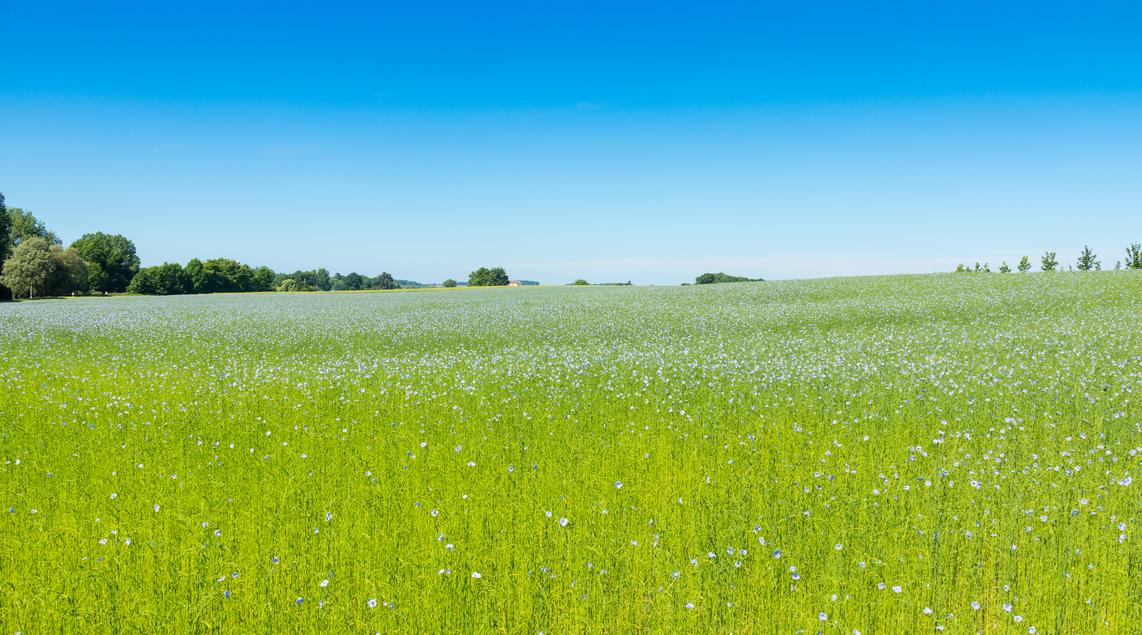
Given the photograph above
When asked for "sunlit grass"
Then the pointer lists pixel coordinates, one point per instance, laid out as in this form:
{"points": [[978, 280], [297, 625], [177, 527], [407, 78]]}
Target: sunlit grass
{"points": [[880, 454]]}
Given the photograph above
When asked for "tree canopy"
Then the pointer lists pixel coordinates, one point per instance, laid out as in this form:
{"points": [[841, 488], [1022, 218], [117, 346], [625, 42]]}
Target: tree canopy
{"points": [[224, 275], [108, 263], [5, 231], [5, 237], [485, 277], [289, 285], [30, 268], [111, 261], [317, 280], [165, 279], [70, 274], [714, 278]]}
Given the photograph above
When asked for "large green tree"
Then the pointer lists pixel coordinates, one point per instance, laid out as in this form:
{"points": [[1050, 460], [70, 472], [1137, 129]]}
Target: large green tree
{"points": [[263, 279], [384, 281], [70, 274], [111, 259], [485, 277], [30, 268]]}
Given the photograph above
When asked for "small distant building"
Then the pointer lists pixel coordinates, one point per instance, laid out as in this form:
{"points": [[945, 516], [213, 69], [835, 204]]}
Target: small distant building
{"points": [[514, 283]]}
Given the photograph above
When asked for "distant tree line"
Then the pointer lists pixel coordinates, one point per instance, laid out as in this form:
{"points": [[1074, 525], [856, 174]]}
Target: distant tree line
{"points": [[222, 275], [217, 275], [34, 263], [1087, 261]]}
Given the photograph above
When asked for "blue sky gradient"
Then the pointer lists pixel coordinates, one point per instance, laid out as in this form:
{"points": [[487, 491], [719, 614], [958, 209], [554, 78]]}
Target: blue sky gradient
{"points": [[612, 141]]}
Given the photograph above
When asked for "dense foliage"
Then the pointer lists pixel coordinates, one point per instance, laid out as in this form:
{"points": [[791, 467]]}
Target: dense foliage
{"points": [[165, 279], [109, 264], [885, 455], [5, 248], [29, 268], [315, 280], [218, 275], [485, 277], [5, 231], [357, 282], [111, 261], [38, 268], [713, 278]]}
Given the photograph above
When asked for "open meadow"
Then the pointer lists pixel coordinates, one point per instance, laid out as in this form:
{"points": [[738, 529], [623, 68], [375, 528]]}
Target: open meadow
{"points": [[952, 452]]}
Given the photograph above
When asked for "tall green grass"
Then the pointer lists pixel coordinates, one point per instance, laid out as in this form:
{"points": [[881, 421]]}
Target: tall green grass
{"points": [[882, 455]]}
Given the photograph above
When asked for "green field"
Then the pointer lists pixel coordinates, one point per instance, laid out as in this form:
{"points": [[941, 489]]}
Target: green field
{"points": [[882, 455]]}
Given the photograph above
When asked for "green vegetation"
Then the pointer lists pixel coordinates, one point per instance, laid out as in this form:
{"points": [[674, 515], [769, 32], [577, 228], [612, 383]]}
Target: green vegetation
{"points": [[449, 283], [1088, 261], [1134, 256], [165, 279], [218, 275], [5, 232], [484, 277], [580, 283], [29, 269], [23, 225], [888, 455], [38, 268], [111, 261], [357, 282], [110, 265], [714, 278]]}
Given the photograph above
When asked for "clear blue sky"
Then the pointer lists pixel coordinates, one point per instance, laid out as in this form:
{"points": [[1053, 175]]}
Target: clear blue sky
{"points": [[648, 141]]}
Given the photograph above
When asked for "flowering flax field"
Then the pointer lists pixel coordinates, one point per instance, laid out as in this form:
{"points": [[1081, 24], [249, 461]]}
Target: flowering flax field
{"points": [[874, 455]]}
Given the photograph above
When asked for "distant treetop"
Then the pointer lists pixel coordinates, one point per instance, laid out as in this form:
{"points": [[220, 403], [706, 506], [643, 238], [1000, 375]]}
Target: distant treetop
{"points": [[713, 278]]}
